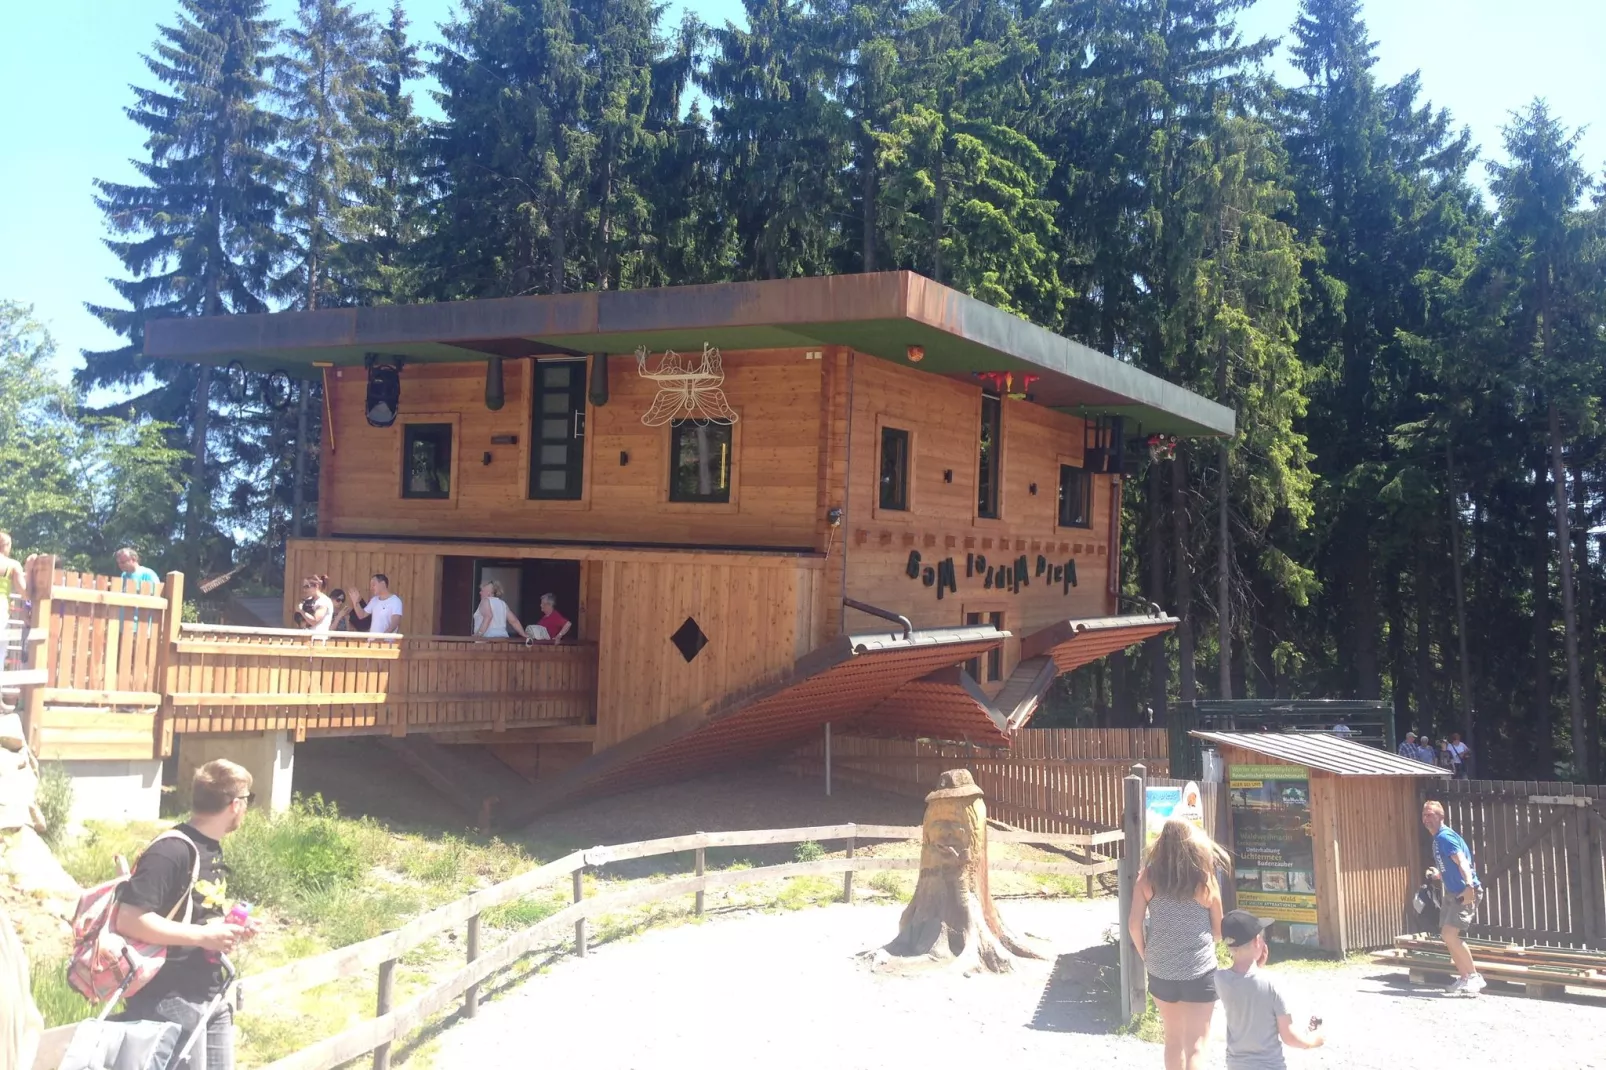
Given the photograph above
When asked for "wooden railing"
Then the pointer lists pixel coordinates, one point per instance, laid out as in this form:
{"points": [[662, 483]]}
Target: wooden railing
{"points": [[1059, 780], [391, 1023], [122, 674]]}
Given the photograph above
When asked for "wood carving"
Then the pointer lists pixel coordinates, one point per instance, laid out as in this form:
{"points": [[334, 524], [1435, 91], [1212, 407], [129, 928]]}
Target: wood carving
{"points": [[951, 921]]}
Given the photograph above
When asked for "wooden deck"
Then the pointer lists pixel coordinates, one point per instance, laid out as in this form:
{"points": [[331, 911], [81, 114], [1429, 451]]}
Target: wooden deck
{"points": [[117, 675]]}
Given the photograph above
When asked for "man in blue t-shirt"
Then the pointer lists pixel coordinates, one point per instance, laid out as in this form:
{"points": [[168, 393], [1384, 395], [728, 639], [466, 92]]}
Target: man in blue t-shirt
{"points": [[1452, 863]]}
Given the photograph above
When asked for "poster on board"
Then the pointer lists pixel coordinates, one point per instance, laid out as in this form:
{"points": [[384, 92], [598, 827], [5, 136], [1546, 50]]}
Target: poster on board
{"points": [[1160, 804], [1274, 856]]}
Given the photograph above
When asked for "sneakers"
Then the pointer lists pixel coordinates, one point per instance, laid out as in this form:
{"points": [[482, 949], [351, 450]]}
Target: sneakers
{"points": [[1466, 986]]}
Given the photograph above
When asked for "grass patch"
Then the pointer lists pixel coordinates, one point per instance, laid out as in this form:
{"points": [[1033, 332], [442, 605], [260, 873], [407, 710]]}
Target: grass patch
{"points": [[898, 885], [522, 913], [1146, 1026], [55, 998], [801, 892], [91, 858], [808, 851]]}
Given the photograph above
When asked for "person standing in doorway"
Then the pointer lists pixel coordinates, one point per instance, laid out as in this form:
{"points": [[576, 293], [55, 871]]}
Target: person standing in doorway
{"points": [[1179, 899], [183, 877], [552, 626], [493, 619], [1453, 865], [383, 610], [1459, 753]]}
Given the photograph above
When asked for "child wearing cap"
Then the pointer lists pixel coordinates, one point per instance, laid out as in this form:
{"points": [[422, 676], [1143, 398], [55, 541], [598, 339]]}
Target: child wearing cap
{"points": [[1258, 1022]]}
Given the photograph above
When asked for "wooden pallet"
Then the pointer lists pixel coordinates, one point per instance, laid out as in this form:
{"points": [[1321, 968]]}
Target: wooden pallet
{"points": [[1538, 981], [1513, 954]]}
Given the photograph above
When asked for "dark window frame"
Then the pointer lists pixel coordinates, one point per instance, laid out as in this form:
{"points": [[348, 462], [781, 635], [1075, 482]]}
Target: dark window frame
{"points": [[1065, 519], [898, 498], [414, 433], [677, 429], [991, 670], [574, 415], [989, 446]]}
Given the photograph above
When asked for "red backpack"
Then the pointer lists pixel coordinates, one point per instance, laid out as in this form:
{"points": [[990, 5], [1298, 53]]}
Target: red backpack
{"points": [[104, 964]]}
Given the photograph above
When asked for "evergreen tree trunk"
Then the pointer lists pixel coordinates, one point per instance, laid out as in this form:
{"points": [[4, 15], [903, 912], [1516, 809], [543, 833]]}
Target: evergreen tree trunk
{"points": [[1182, 577], [1584, 573], [1158, 673], [1400, 683], [1468, 716], [1224, 579], [938, 210], [867, 205], [1426, 714], [196, 501], [1575, 701], [1544, 752]]}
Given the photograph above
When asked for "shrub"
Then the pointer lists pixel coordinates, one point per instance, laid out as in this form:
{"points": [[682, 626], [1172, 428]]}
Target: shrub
{"points": [[55, 802], [808, 851], [281, 859], [91, 857]]}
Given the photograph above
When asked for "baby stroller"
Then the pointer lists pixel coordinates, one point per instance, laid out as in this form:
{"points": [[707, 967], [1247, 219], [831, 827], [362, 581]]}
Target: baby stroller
{"points": [[103, 1043]]}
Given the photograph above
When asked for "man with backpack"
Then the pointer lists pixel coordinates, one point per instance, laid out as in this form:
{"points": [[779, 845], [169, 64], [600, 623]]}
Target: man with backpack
{"points": [[177, 899]]}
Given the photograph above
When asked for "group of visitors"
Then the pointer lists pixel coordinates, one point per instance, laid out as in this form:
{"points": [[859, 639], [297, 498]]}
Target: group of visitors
{"points": [[1177, 918], [325, 609], [1451, 754]]}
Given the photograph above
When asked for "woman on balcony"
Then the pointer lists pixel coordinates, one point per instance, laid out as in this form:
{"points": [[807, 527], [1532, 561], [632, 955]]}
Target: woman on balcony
{"points": [[493, 618], [316, 611]]}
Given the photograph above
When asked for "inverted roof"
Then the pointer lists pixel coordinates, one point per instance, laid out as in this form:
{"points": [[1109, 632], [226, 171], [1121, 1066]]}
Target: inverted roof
{"points": [[1324, 751], [881, 314]]}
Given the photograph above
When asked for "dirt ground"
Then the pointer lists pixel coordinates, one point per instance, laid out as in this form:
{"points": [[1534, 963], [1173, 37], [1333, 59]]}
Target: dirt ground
{"points": [[788, 990]]}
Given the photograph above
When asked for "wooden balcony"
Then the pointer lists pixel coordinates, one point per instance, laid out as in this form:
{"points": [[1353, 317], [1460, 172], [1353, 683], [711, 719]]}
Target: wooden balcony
{"points": [[113, 673]]}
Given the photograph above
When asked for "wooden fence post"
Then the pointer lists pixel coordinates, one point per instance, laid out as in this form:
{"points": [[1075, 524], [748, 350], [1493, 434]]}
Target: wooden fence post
{"points": [[166, 674], [471, 1000], [33, 704], [580, 924], [1134, 982], [828, 758], [387, 987], [847, 876], [700, 863]]}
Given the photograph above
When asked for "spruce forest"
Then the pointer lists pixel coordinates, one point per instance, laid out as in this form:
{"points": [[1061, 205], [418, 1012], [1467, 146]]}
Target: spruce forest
{"points": [[1412, 328]]}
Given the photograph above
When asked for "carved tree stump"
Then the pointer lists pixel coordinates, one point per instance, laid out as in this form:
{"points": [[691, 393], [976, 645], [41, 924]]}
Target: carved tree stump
{"points": [[951, 921]]}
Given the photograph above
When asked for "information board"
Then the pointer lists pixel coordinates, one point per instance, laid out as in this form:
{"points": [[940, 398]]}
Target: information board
{"points": [[1161, 804], [1274, 857]]}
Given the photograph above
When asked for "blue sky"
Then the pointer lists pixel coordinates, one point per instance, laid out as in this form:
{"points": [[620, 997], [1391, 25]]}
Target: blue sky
{"points": [[68, 65]]}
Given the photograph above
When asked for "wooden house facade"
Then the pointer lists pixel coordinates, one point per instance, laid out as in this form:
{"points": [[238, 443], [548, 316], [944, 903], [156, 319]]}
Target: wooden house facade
{"points": [[839, 453]]}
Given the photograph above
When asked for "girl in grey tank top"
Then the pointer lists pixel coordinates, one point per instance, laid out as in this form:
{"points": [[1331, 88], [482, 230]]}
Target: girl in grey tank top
{"points": [[1179, 944]]}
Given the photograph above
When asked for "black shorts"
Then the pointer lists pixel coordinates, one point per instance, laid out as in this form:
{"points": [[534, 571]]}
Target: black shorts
{"points": [[1201, 989]]}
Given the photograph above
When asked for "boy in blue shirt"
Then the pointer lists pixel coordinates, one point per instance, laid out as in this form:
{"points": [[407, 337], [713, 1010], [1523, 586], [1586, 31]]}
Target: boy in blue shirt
{"points": [[1452, 863]]}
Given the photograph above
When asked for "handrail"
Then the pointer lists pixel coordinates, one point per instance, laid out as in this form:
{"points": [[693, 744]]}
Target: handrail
{"points": [[273, 986], [884, 614], [293, 633]]}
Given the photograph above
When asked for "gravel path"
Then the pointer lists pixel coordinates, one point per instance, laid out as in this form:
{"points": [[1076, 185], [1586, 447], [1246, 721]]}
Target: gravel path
{"points": [[785, 990]]}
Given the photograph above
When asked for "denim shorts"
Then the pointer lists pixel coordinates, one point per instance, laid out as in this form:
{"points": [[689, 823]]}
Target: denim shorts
{"points": [[1201, 989]]}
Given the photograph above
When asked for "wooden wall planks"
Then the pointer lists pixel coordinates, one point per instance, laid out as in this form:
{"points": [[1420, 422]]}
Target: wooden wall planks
{"points": [[775, 473], [943, 417], [756, 620]]}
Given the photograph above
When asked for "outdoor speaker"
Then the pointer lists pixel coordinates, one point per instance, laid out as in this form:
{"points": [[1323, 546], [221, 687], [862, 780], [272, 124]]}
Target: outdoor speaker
{"points": [[599, 379], [383, 399]]}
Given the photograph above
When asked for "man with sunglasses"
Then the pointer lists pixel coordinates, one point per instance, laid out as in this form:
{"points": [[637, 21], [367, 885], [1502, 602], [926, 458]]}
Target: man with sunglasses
{"points": [[178, 898]]}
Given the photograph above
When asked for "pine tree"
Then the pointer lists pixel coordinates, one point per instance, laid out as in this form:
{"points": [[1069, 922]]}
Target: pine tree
{"points": [[387, 219], [200, 238], [329, 93]]}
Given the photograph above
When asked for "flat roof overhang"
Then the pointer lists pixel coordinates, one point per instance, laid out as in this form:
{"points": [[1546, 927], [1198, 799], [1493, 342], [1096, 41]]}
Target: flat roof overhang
{"points": [[881, 314]]}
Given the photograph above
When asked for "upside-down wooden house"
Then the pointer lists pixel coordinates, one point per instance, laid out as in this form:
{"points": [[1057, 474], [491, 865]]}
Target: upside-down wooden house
{"points": [[867, 500]]}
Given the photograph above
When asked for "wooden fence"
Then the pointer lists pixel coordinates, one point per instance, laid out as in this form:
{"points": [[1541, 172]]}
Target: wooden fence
{"points": [[1538, 846], [381, 954], [1057, 780], [115, 673]]}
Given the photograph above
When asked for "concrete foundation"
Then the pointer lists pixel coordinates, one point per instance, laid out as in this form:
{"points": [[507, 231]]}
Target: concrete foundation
{"points": [[115, 790], [269, 756]]}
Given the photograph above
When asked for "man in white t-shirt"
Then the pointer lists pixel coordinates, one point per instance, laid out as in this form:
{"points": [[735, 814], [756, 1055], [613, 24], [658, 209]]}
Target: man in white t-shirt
{"points": [[385, 608]]}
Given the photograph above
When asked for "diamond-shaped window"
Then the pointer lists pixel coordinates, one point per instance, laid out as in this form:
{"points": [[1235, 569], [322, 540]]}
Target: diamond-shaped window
{"points": [[689, 639]]}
